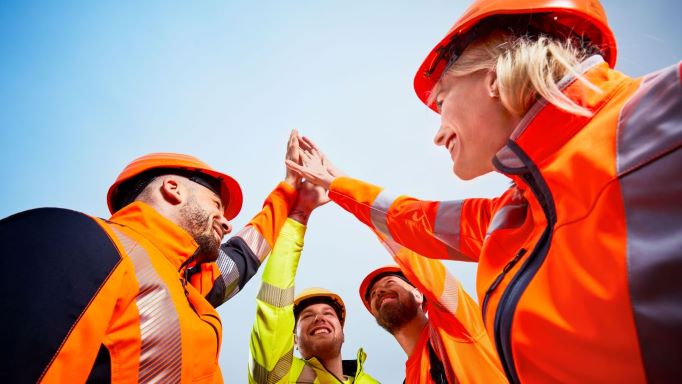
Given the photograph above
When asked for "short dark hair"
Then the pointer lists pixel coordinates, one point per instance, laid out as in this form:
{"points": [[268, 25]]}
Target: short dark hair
{"points": [[130, 189], [318, 300]]}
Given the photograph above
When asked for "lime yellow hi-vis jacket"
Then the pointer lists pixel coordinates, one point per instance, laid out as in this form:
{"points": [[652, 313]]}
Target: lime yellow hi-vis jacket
{"points": [[272, 338]]}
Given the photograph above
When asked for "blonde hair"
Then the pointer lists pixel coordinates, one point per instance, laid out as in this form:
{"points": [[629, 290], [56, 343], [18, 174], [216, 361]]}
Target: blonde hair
{"points": [[527, 68]]}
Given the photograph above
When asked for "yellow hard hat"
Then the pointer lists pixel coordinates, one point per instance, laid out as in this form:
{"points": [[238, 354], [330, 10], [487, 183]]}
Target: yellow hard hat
{"points": [[316, 295]]}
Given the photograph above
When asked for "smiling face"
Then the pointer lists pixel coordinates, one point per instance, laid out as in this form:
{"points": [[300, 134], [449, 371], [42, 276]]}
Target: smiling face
{"points": [[474, 124], [394, 302], [319, 332], [202, 217]]}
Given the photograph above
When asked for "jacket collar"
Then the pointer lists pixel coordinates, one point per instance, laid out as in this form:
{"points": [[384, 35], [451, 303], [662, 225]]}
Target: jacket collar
{"points": [[172, 241], [545, 128]]}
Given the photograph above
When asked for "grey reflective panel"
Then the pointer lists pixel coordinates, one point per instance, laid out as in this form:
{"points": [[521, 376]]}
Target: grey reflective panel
{"points": [[229, 273], [449, 299], [651, 122], [508, 159], [650, 162], [509, 216], [161, 348], [255, 241], [277, 297], [447, 226], [379, 212], [261, 374]]}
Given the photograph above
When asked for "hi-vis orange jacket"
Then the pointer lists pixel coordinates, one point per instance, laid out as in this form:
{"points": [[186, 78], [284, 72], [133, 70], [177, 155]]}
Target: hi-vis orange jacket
{"points": [[454, 331], [110, 300], [580, 261]]}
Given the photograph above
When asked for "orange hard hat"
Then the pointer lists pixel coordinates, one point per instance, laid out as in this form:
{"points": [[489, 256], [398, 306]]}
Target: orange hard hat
{"points": [[229, 190], [314, 295], [584, 18], [374, 276]]}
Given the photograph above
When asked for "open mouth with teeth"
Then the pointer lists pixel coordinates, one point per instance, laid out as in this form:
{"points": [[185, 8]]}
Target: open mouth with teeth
{"points": [[386, 298], [320, 331]]}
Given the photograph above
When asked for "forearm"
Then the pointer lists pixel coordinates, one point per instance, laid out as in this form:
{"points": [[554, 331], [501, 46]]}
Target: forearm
{"points": [[260, 233], [272, 334], [431, 228]]}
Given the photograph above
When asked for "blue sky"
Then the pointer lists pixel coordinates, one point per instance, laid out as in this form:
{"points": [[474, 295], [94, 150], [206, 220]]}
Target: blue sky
{"points": [[86, 87]]}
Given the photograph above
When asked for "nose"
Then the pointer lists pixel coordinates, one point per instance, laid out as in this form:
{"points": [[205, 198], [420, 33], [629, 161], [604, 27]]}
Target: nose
{"points": [[439, 139], [225, 225]]}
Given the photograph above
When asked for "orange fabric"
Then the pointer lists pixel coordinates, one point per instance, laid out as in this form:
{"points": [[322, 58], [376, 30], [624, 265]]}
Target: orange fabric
{"points": [[560, 331]]}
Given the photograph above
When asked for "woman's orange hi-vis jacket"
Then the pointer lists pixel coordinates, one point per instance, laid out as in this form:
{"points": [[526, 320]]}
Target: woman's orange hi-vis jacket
{"points": [[580, 262], [121, 300]]}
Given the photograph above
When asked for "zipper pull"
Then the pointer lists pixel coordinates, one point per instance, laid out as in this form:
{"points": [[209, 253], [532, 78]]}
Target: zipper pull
{"points": [[499, 278]]}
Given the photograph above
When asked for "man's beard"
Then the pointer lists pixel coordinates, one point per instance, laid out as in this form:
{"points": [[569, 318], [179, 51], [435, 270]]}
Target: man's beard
{"points": [[323, 349], [198, 223], [394, 315]]}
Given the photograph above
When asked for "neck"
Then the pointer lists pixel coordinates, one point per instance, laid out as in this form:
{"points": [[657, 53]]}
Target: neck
{"points": [[408, 334], [334, 365]]}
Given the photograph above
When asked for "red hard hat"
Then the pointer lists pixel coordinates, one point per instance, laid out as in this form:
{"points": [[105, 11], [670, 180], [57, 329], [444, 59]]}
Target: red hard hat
{"points": [[230, 192], [582, 17], [373, 277]]}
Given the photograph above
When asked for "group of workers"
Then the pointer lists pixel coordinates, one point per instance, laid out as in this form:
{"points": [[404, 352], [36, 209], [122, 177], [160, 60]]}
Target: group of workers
{"points": [[579, 260]]}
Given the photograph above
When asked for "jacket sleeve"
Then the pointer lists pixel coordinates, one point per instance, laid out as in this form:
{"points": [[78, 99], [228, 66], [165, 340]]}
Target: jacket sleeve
{"points": [[240, 257], [452, 230], [272, 337]]}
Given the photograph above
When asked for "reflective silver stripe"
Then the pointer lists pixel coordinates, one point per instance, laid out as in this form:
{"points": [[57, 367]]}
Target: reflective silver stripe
{"points": [[228, 273], [450, 296], [650, 123], [255, 241], [379, 212], [509, 216], [509, 159], [650, 133], [275, 296], [308, 375], [261, 374], [447, 224], [161, 347]]}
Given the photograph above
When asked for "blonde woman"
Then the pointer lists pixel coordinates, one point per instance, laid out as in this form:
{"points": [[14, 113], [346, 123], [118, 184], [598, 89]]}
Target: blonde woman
{"points": [[580, 260]]}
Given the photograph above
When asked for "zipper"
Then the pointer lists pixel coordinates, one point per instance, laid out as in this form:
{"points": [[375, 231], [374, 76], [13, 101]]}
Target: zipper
{"points": [[506, 308], [499, 279]]}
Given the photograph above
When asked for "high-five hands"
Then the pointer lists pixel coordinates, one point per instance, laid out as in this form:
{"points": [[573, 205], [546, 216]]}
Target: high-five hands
{"points": [[314, 166]]}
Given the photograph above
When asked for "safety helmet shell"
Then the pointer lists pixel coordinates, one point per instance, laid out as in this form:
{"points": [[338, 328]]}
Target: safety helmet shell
{"points": [[582, 17], [317, 292], [230, 191], [371, 278]]}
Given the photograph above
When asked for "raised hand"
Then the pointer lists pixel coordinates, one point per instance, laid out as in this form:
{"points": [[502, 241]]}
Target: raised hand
{"points": [[314, 166], [293, 155]]}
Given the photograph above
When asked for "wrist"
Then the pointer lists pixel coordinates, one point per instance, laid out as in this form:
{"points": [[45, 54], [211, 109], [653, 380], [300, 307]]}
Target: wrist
{"points": [[300, 214]]}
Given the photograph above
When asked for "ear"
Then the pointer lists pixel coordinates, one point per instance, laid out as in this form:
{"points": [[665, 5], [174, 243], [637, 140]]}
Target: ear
{"points": [[173, 190], [296, 341], [491, 84], [418, 296]]}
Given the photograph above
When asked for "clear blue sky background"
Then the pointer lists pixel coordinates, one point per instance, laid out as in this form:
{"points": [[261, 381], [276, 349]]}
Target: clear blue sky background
{"points": [[86, 87]]}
